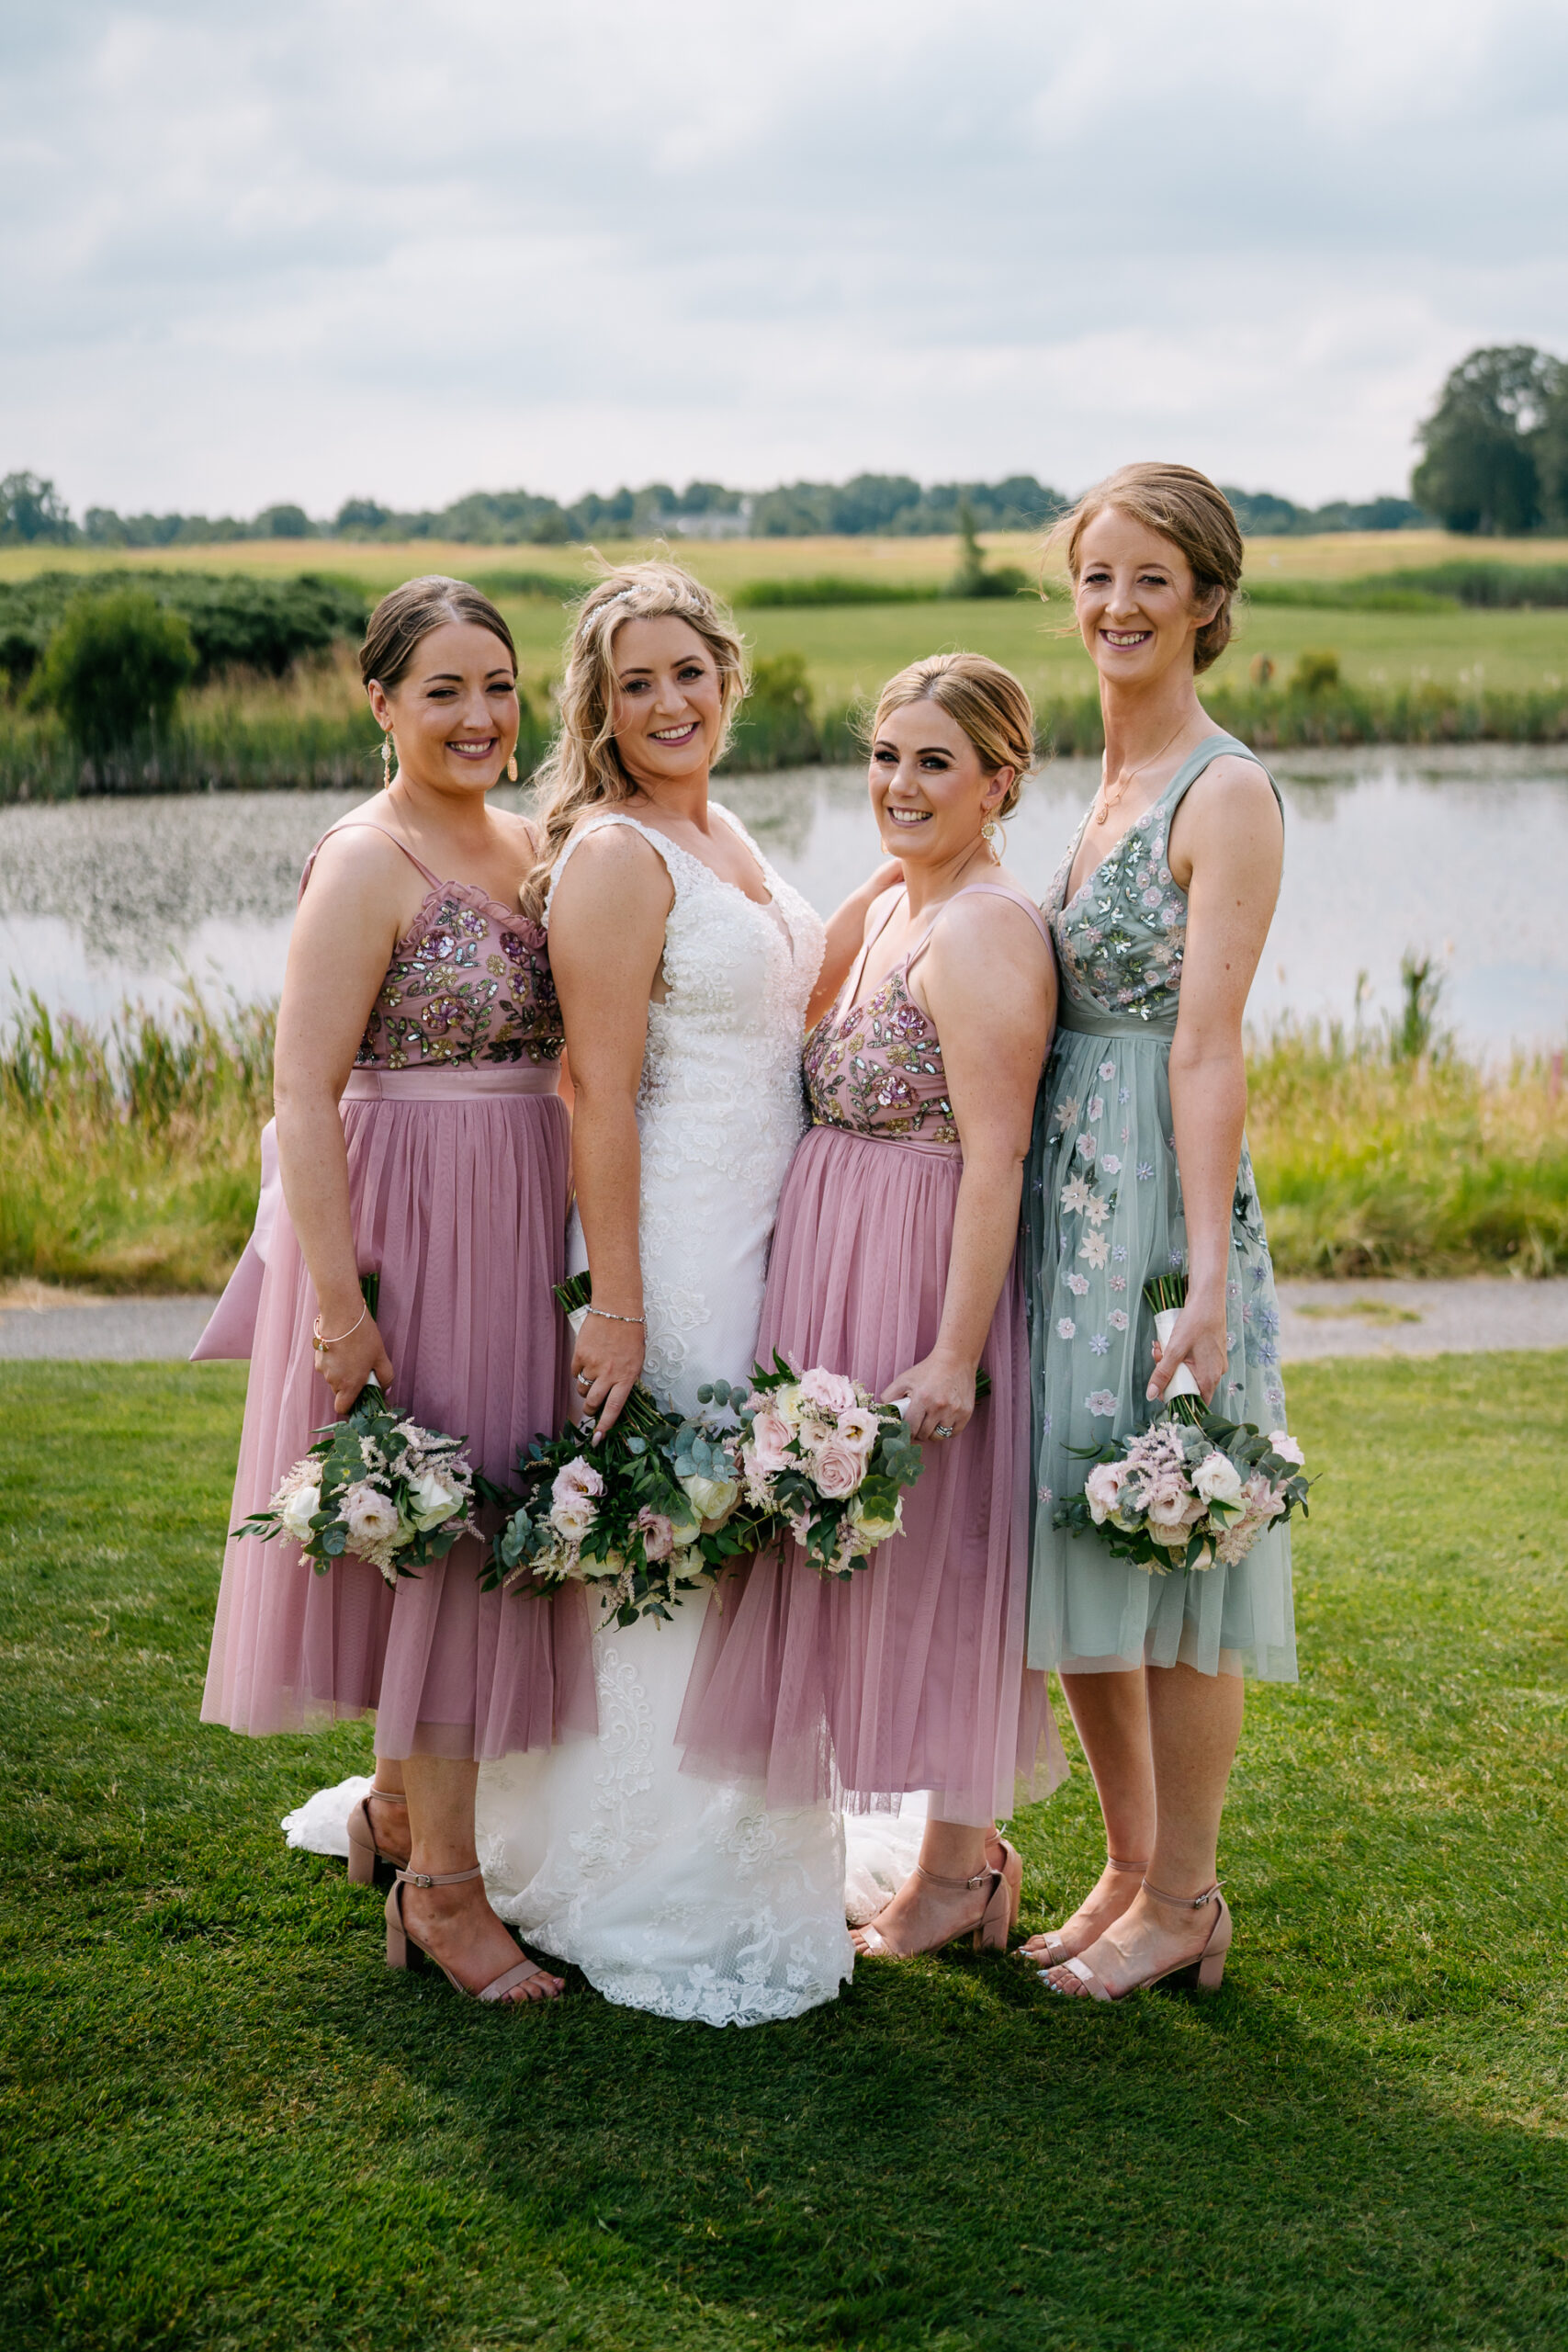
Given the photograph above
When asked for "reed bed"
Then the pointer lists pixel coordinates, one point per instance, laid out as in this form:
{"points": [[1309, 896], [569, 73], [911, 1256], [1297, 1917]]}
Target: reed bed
{"points": [[131, 1152]]}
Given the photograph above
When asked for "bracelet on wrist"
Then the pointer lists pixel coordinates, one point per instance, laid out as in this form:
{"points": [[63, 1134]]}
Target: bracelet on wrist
{"points": [[320, 1344], [605, 1313]]}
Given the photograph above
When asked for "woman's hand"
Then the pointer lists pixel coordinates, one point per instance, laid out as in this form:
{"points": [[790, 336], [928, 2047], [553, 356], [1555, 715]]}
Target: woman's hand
{"points": [[347, 1364], [605, 1367], [941, 1393], [1199, 1339]]}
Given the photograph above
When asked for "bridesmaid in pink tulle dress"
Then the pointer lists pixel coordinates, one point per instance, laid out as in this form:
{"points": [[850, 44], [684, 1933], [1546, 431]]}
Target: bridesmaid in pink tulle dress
{"points": [[893, 1261], [420, 1135]]}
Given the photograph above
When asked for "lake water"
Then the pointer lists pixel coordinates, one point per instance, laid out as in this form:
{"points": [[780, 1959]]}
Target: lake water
{"points": [[1459, 854]]}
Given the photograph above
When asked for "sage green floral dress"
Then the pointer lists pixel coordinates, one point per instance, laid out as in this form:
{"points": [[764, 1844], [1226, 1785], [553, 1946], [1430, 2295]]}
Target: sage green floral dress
{"points": [[1101, 1215]]}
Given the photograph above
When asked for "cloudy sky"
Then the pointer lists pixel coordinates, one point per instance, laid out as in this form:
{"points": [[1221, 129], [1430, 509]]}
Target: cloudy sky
{"points": [[406, 248]]}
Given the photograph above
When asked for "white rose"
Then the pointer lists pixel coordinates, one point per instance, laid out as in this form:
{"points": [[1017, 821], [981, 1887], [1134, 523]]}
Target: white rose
{"points": [[711, 1499], [298, 1510], [786, 1402], [1217, 1480], [432, 1501], [1285, 1446], [872, 1529]]}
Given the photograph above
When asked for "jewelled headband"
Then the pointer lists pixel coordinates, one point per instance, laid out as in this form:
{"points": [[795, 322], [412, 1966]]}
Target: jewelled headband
{"points": [[623, 594]]}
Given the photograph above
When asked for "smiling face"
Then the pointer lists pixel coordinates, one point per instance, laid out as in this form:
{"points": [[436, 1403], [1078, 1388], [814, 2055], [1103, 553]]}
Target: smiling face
{"points": [[668, 710], [454, 712], [929, 792], [1134, 599]]}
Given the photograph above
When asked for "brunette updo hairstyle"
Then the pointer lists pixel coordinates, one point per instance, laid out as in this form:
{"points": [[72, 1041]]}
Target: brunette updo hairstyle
{"points": [[403, 620], [981, 697], [1185, 507]]}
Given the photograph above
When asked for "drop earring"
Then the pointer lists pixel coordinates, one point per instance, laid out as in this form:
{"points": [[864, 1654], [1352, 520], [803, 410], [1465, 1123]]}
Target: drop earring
{"points": [[512, 769], [387, 760]]}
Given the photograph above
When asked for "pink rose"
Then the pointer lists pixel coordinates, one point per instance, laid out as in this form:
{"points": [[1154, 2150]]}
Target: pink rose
{"points": [[769, 1450], [576, 1477], [658, 1533], [1285, 1446], [573, 1515], [837, 1469], [368, 1514], [833, 1391], [859, 1428], [1103, 1488]]}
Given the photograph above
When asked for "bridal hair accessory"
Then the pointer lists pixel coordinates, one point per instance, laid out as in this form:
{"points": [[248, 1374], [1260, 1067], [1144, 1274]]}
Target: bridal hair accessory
{"points": [[387, 760], [623, 595]]}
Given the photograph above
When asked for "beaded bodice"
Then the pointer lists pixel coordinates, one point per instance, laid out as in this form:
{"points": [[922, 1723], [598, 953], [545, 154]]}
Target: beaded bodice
{"points": [[1120, 938], [469, 982], [875, 1068]]}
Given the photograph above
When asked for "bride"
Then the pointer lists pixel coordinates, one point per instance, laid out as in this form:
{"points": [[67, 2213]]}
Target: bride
{"points": [[686, 971]]}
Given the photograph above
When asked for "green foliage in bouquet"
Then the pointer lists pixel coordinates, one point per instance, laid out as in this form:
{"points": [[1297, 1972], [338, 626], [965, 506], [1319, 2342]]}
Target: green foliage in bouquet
{"points": [[791, 1425], [1187, 1491]]}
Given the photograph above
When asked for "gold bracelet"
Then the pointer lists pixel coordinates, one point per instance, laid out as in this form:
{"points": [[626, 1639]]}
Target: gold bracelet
{"points": [[322, 1345]]}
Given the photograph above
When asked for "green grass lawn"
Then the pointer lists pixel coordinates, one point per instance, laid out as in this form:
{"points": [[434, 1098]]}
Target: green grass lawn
{"points": [[227, 2127]]}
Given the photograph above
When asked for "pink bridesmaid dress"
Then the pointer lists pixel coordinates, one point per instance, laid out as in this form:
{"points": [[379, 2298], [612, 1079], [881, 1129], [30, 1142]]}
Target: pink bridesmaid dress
{"points": [[910, 1674], [458, 1155]]}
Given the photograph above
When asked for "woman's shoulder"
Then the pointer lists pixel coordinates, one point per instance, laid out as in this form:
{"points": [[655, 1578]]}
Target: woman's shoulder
{"points": [[611, 853]]}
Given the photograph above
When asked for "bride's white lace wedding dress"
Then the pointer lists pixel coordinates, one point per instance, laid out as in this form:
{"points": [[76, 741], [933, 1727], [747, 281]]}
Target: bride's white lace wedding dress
{"points": [[673, 1894]]}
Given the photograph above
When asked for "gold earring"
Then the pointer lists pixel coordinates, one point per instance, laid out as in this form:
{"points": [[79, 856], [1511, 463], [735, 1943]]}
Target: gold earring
{"points": [[991, 832], [511, 768], [387, 760]]}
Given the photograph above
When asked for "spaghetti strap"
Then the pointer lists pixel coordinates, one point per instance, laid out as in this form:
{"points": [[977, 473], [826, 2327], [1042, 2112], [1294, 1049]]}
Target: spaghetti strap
{"points": [[977, 891], [850, 991], [365, 825]]}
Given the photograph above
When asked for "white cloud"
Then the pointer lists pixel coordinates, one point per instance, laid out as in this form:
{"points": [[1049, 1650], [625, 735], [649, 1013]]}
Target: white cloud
{"points": [[293, 251]]}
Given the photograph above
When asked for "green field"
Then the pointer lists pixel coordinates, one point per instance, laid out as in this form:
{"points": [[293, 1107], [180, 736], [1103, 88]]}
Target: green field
{"points": [[228, 2130], [850, 650]]}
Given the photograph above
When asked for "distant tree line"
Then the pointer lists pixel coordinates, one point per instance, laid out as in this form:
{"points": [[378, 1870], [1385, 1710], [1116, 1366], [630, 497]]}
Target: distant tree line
{"points": [[1494, 461]]}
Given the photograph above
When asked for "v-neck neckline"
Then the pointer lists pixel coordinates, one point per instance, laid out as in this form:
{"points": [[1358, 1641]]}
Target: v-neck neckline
{"points": [[1071, 897]]}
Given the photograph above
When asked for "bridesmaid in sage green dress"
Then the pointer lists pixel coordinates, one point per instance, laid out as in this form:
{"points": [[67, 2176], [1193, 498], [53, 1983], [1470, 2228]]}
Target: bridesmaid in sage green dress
{"points": [[1139, 1167]]}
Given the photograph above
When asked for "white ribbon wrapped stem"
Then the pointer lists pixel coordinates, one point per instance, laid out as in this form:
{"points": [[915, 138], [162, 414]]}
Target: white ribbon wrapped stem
{"points": [[1181, 1382]]}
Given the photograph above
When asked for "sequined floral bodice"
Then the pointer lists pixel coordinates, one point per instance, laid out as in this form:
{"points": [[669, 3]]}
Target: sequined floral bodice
{"points": [[876, 1068], [469, 982], [1120, 938]]}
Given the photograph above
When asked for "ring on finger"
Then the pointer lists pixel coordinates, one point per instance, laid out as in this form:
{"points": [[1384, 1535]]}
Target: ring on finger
{"points": [[942, 1430], [585, 1383]]}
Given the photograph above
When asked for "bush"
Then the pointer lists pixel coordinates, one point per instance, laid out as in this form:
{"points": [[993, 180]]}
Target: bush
{"points": [[1316, 673], [830, 588], [236, 622], [114, 668]]}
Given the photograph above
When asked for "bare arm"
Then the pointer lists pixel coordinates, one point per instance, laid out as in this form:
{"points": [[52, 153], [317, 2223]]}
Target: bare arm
{"points": [[990, 983], [349, 920], [846, 933], [607, 924], [1230, 829]]}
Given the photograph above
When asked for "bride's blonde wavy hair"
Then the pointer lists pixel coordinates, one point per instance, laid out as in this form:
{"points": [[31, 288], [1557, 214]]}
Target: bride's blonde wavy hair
{"points": [[583, 768]]}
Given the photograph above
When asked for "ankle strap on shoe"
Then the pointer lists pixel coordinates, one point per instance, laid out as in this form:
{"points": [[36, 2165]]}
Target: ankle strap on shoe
{"points": [[437, 1878], [386, 1796], [1112, 1864], [1185, 1901], [934, 1877]]}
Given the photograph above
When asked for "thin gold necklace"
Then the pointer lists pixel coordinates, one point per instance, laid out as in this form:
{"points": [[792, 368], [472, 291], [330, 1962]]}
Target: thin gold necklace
{"points": [[1106, 803]]}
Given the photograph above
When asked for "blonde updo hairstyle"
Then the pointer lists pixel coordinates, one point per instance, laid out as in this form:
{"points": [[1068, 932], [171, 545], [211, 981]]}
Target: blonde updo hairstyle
{"points": [[583, 768], [1185, 507], [982, 698]]}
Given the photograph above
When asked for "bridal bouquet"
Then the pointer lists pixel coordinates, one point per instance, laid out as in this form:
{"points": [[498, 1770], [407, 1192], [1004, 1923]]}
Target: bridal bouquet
{"points": [[823, 1461], [378, 1488], [644, 1512], [1191, 1489]]}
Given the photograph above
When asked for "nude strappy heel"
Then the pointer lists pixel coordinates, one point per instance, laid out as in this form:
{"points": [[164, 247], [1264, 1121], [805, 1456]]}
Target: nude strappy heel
{"points": [[403, 1950], [1010, 1864], [1049, 1947], [366, 1859], [1202, 1975], [989, 1933]]}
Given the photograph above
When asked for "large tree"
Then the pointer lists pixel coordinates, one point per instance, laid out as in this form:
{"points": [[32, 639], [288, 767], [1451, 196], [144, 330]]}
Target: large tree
{"points": [[31, 509], [1480, 471]]}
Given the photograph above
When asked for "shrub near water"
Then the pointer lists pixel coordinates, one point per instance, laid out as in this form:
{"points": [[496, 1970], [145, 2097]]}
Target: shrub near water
{"points": [[113, 669]]}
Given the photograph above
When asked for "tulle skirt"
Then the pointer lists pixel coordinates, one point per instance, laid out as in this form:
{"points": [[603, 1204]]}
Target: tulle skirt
{"points": [[1104, 1111], [460, 1204], [910, 1674]]}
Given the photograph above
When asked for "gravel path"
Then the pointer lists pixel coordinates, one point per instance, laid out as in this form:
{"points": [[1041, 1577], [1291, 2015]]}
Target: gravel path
{"points": [[1358, 1318]]}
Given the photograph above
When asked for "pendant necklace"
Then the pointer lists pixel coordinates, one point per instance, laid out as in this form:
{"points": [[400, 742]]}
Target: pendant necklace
{"points": [[1106, 802]]}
